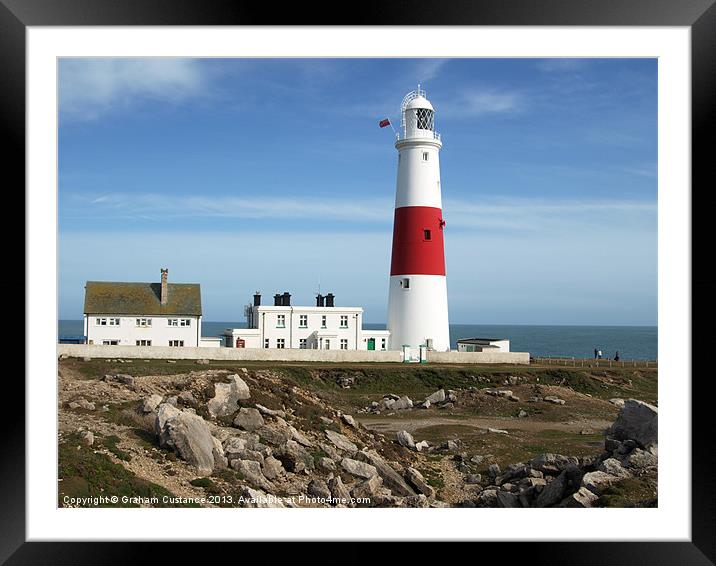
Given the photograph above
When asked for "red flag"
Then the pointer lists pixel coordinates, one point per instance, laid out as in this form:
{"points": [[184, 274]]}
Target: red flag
{"points": [[384, 123]]}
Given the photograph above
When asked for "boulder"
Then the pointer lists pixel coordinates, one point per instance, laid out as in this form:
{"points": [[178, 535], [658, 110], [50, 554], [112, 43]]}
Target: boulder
{"points": [[582, 498], [349, 420], [247, 454], [221, 462], [274, 435], [640, 459], [191, 439], [522, 414], [422, 446], [339, 492], [252, 473], [366, 491], [151, 403], [497, 430], [553, 492], [554, 400], [425, 404], [415, 501], [272, 468], [327, 464], [487, 498], [437, 397], [340, 441], [597, 482], [319, 489], [613, 467], [294, 457], [299, 437], [505, 499], [404, 438], [473, 479], [270, 412], [636, 421], [257, 499], [87, 437], [416, 479], [248, 419], [227, 395], [617, 402], [391, 478], [124, 378], [165, 411], [552, 463], [358, 469], [187, 398], [403, 403]]}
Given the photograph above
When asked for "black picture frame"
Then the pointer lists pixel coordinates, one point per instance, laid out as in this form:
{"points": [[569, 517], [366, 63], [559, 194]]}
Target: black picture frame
{"points": [[698, 15]]}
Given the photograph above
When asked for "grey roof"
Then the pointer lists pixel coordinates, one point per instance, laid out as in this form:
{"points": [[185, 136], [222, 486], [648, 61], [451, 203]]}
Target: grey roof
{"points": [[106, 297]]}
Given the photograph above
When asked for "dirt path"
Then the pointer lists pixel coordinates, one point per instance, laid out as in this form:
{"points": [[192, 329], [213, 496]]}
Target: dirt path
{"points": [[505, 423]]}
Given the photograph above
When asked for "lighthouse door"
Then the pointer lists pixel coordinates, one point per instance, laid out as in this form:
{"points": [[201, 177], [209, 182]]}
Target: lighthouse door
{"points": [[371, 343]]}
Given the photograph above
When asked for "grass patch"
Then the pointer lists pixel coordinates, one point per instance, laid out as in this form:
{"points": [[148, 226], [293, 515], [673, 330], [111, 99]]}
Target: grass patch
{"points": [[631, 492], [110, 443], [85, 473], [202, 482]]}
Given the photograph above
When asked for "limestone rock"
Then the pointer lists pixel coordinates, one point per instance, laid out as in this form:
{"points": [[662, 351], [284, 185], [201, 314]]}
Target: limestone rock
{"points": [[327, 464], [366, 491], [422, 446], [419, 500], [151, 403], [505, 499], [640, 459], [405, 439], [248, 419], [257, 499], [552, 492], [416, 479], [582, 498], [349, 420], [252, 473], [613, 467], [270, 412], [87, 437], [391, 478], [617, 402], [341, 441], [220, 461], [227, 395], [597, 482], [272, 468], [165, 411], [437, 397], [403, 403], [636, 421], [358, 469], [187, 398], [319, 489], [294, 457], [339, 492], [191, 439]]}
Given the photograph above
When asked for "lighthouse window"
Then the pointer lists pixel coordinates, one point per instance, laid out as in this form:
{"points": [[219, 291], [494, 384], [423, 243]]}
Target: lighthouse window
{"points": [[405, 283], [425, 118], [426, 234], [426, 155]]}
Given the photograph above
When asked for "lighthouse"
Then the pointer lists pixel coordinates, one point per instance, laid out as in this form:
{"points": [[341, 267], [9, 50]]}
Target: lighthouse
{"points": [[417, 298]]}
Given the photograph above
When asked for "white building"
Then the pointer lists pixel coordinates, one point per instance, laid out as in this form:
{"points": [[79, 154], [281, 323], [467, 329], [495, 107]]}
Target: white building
{"points": [[417, 298], [323, 327], [143, 314], [483, 345]]}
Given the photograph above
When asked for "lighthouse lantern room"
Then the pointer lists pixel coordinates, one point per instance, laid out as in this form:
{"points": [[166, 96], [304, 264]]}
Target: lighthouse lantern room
{"points": [[417, 299]]}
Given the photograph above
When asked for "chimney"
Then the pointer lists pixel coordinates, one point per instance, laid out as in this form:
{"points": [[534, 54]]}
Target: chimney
{"points": [[277, 300], [329, 299], [286, 299], [257, 299], [319, 300], [164, 293]]}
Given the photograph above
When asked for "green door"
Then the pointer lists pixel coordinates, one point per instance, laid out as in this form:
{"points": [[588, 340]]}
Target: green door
{"points": [[371, 343]]}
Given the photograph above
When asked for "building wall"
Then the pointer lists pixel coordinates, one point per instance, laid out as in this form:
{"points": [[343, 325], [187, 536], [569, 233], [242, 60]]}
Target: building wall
{"points": [[160, 333], [497, 345], [255, 354], [316, 336]]}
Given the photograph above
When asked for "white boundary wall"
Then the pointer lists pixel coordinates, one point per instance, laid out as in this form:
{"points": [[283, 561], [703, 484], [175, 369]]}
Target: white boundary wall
{"points": [[291, 355]]}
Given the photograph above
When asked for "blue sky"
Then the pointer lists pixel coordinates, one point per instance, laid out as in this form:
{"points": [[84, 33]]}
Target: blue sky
{"points": [[273, 175]]}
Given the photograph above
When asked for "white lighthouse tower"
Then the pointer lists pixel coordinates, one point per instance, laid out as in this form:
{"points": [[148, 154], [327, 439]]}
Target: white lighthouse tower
{"points": [[417, 300]]}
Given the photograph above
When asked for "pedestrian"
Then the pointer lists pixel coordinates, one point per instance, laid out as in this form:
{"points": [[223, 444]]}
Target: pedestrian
{"points": [[595, 353], [599, 354], [616, 356]]}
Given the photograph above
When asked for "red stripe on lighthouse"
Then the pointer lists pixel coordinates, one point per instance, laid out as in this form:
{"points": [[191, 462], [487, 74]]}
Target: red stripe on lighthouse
{"points": [[418, 247]]}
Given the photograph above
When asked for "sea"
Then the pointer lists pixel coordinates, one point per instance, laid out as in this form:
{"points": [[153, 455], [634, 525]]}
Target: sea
{"points": [[632, 342]]}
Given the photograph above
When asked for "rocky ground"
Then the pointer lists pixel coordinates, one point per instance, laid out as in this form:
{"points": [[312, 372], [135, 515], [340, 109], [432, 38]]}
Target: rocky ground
{"points": [[165, 433]]}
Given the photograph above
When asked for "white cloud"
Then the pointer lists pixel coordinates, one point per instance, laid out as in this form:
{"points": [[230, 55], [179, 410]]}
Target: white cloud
{"points": [[480, 101], [560, 65], [91, 87]]}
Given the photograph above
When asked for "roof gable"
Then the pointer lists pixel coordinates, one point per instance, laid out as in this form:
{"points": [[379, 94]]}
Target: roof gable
{"points": [[106, 297]]}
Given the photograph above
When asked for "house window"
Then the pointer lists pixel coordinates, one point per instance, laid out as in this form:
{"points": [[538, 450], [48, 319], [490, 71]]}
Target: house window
{"points": [[302, 344], [344, 344], [114, 322], [144, 342], [110, 342], [267, 343], [144, 322], [344, 321], [426, 156], [327, 344], [382, 344], [176, 342], [405, 283], [101, 322], [185, 322], [323, 321], [426, 234], [173, 321], [303, 321], [280, 343], [281, 321]]}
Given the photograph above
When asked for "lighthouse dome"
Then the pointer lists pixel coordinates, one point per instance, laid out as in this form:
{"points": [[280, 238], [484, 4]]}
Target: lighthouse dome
{"points": [[418, 102], [418, 117]]}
